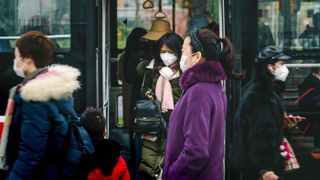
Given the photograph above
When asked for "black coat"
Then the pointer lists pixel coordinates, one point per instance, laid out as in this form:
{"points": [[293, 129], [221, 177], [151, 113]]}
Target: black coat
{"points": [[311, 100], [258, 130]]}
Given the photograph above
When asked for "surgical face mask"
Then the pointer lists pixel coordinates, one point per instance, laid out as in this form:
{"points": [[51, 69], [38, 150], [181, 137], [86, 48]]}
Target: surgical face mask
{"points": [[183, 65], [168, 58], [19, 71], [281, 73]]}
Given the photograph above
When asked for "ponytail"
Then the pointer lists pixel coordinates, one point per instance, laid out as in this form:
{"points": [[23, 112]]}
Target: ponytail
{"points": [[211, 50], [228, 58]]}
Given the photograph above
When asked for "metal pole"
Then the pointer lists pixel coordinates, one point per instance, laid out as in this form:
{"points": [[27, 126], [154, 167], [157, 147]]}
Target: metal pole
{"points": [[174, 15]]}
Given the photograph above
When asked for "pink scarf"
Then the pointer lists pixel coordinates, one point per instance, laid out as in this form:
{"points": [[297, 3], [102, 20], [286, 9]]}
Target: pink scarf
{"points": [[164, 90]]}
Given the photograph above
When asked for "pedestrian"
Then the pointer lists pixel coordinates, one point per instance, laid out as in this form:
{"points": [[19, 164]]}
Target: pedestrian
{"points": [[163, 82], [128, 61], [145, 70], [195, 143], [107, 163], [38, 128], [259, 121], [309, 100]]}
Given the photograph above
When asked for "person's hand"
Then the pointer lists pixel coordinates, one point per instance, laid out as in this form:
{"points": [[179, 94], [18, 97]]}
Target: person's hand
{"points": [[149, 95], [269, 175], [291, 121]]}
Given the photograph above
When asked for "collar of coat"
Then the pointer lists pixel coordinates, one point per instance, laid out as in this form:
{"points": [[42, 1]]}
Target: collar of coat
{"points": [[59, 82], [210, 72]]}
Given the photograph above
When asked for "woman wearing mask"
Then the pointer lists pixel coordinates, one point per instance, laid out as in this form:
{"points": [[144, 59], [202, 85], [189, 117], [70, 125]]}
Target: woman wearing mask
{"points": [[195, 143], [259, 122], [163, 81], [38, 128]]}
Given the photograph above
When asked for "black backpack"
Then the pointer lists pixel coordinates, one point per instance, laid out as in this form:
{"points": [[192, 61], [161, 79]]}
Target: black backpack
{"points": [[78, 149]]}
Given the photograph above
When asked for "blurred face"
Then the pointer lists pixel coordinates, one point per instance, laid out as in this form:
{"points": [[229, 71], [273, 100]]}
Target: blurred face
{"points": [[275, 66], [279, 70], [23, 66], [191, 58], [167, 55], [20, 62], [166, 49]]}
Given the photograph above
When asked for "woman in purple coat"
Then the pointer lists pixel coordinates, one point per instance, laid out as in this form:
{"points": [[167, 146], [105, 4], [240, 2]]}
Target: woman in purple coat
{"points": [[195, 144]]}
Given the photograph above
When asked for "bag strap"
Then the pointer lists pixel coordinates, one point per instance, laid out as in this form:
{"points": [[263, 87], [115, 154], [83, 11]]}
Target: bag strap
{"points": [[303, 95], [143, 81]]}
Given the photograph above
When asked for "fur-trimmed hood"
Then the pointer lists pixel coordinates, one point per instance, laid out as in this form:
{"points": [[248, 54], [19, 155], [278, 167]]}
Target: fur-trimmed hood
{"points": [[59, 82], [210, 71]]}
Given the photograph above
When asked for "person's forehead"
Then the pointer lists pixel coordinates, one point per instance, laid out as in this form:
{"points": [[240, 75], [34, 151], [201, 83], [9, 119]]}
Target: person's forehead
{"points": [[16, 51], [280, 62], [187, 42]]}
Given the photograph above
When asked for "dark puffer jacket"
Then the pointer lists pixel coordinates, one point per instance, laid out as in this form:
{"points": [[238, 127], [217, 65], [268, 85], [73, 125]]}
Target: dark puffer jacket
{"points": [[38, 130]]}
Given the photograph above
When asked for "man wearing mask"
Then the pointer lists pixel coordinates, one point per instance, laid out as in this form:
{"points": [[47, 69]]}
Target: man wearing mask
{"points": [[260, 117]]}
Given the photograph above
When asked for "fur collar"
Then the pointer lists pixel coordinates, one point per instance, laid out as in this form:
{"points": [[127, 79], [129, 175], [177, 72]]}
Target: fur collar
{"points": [[210, 72], [59, 82]]}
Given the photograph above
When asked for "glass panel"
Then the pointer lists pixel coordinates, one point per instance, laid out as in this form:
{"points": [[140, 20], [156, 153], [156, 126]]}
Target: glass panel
{"points": [[51, 17], [296, 77], [131, 14], [189, 13], [120, 121], [290, 24]]}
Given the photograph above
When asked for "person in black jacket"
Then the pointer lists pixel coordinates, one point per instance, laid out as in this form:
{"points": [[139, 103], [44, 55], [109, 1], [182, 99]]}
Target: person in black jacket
{"points": [[259, 120], [309, 100]]}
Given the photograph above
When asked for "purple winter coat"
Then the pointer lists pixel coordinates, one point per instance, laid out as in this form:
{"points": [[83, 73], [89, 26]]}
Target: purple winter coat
{"points": [[195, 143]]}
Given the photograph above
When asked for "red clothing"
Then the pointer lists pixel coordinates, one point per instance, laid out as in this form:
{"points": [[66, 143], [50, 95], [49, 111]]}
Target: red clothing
{"points": [[120, 172]]}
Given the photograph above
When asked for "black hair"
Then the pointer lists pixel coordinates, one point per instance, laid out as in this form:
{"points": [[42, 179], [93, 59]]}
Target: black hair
{"points": [[134, 37], [93, 121], [261, 72], [174, 42], [132, 42], [211, 45], [107, 155]]}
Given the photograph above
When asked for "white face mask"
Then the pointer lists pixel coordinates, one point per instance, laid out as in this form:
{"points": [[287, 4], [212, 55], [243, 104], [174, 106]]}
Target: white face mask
{"points": [[183, 65], [281, 73], [168, 58], [19, 71]]}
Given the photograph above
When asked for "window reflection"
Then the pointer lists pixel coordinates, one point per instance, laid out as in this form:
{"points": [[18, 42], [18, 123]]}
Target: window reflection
{"points": [[131, 14], [51, 17], [290, 24]]}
